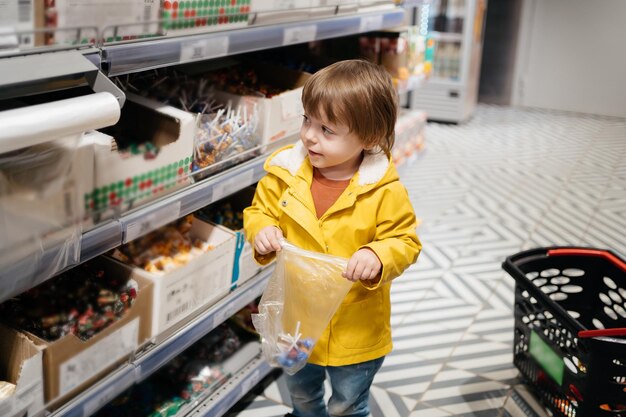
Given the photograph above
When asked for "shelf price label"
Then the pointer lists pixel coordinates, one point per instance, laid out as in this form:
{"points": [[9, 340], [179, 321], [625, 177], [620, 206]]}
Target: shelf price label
{"points": [[299, 34], [235, 183], [213, 47], [220, 316], [152, 221], [252, 380], [370, 23]]}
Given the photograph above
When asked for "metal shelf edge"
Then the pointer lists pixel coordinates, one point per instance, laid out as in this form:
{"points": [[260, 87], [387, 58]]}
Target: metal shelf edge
{"points": [[149, 54], [235, 388], [188, 200], [99, 394]]}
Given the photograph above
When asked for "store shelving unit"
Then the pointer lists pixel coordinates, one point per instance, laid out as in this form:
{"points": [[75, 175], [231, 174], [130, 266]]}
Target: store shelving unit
{"points": [[42, 69], [144, 219], [153, 357], [140, 56]]}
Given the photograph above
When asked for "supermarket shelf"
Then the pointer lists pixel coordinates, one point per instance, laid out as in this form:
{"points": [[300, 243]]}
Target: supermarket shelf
{"points": [[235, 388], [151, 359], [190, 199], [33, 270], [148, 54], [446, 36]]}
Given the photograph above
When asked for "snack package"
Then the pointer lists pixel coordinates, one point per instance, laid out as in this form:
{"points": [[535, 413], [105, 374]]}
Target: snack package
{"points": [[303, 293]]}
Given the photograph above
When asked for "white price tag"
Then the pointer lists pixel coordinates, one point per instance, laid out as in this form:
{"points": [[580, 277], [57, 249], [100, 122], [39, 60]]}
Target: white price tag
{"points": [[233, 184], [370, 23], [101, 399], [220, 316], [299, 34], [95, 359], [247, 385], [152, 221], [204, 49], [8, 39]]}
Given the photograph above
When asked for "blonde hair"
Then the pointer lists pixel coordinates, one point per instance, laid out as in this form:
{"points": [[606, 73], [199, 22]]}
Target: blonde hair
{"points": [[358, 94]]}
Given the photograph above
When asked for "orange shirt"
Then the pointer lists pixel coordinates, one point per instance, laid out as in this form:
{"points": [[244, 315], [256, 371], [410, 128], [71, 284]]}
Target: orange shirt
{"points": [[325, 192]]}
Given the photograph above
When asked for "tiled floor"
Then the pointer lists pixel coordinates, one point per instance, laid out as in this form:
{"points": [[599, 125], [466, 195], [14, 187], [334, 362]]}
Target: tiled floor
{"points": [[506, 181]]}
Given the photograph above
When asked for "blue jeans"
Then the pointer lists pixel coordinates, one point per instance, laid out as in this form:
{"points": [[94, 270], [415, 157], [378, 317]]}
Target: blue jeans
{"points": [[351, 389]]}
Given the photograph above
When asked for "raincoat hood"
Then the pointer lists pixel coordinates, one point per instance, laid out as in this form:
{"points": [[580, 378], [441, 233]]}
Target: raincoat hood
{"points": [[292, 161]]}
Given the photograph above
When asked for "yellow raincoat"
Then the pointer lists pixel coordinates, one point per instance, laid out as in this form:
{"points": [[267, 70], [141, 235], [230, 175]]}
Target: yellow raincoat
{"points": [[374, 211]]}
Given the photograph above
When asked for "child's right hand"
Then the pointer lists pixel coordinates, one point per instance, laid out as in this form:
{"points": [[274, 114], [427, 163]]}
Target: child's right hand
{"points": [[268, 240]]}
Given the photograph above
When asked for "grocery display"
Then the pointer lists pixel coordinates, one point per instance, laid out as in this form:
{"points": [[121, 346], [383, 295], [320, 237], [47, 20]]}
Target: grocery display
{"points": [[226, 134], [171, 152], [196, 372], [454, 43], [82, 301]]}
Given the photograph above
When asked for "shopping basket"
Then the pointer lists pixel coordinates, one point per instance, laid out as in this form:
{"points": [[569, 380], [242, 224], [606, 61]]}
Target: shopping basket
{"points": [[570, 328]]}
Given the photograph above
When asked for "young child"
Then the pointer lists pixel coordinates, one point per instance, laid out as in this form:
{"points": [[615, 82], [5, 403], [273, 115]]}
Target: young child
{"points": [[337, 192]]}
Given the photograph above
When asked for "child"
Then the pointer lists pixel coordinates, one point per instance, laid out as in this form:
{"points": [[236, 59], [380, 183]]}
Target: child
{"points": [[337, 192]]}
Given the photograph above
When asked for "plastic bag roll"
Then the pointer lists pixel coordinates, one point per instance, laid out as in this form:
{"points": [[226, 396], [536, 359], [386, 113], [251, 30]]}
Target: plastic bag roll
{"points": [[41, 123]]}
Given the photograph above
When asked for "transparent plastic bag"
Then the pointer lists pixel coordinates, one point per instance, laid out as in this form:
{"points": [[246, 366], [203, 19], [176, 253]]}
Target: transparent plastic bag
{"points": [[302, 295]]}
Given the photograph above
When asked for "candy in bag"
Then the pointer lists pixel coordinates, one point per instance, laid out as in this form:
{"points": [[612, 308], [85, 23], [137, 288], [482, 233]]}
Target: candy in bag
{"points": [[303, 293]]}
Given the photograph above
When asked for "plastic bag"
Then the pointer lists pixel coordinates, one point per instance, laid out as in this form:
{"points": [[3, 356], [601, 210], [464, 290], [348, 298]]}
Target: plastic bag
{"points": [[302, 295]]}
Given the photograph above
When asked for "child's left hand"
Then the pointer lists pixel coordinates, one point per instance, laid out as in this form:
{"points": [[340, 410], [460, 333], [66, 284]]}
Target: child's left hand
{"points": [[363, 265]]}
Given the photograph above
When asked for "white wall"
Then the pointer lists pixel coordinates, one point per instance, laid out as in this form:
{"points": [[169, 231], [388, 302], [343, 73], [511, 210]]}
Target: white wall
{"points": [[572, 56]]}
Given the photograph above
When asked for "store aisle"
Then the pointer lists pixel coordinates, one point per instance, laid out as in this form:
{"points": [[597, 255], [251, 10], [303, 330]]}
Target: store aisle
{"points": [[507, 180]]}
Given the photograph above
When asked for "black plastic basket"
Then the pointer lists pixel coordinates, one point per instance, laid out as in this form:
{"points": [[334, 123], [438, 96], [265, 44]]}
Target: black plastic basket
{"points": [[570, 328]]}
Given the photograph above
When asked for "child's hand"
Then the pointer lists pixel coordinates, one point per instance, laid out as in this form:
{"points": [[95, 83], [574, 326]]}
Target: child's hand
{"points": [[267, 240], [363, 265]]}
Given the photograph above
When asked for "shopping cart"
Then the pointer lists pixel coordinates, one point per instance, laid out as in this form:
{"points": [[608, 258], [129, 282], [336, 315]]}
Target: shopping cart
{"points": [[570, 328]]}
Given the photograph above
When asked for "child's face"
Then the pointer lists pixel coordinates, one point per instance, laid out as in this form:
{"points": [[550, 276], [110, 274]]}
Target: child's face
{"points": [[331, 147]]}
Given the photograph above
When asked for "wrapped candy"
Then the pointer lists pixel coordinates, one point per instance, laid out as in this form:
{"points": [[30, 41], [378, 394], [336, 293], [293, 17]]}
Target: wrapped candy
{"points": [[224, 137], [293, 352], [164, 249], [82, 301]]}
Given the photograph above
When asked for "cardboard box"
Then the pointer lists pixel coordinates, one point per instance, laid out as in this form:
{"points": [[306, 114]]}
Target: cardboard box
{"points": [[281, 115], [244, 266], [21, 364], [124, 181], [203, 17], [115, 20], [183, 293], [23, 16], [71, 364]]}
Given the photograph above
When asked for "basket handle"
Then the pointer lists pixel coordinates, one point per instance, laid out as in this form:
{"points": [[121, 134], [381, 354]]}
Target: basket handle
{"points": [[618, 331], [589, 252]]}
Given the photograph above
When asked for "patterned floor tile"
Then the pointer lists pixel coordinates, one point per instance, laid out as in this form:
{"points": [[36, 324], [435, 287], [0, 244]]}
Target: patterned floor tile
{"points": [[425, 410]]}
